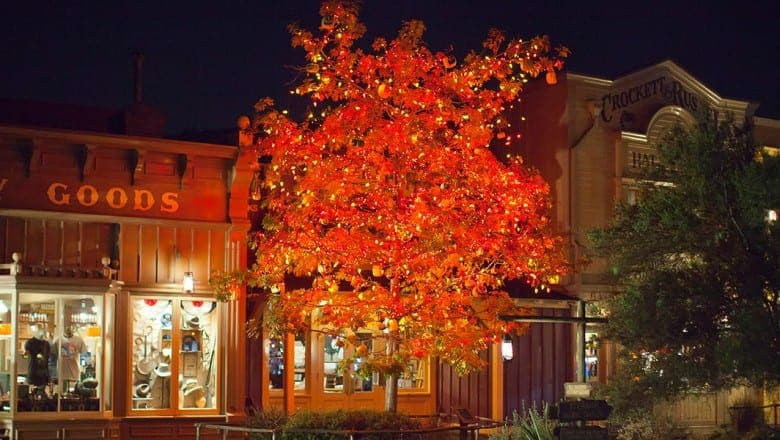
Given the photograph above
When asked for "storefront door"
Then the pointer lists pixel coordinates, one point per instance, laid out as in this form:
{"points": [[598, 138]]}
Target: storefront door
{"points": [[347, 385]]}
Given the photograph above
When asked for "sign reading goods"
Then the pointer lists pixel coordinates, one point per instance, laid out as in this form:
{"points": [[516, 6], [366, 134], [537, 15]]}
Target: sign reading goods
{"points": [[115, 197]]}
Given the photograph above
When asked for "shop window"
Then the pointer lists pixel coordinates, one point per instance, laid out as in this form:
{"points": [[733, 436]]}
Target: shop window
{"points": [[60, 353], [414, 377], [591, 356], [174, 354], [332, 368], [275, 349], [6, 353]]}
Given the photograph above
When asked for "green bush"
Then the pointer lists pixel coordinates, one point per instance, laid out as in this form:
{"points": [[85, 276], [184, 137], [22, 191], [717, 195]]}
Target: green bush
{"points": [[340, 420], [531, 425]]}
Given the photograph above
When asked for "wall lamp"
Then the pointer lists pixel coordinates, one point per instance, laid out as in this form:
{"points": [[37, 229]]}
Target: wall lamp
{"points": [[507, 351], [188, 282]]}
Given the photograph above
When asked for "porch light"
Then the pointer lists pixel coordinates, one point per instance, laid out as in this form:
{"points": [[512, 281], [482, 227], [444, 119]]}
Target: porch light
{"points": [[507, 351], [188, 282], [771, 216]]}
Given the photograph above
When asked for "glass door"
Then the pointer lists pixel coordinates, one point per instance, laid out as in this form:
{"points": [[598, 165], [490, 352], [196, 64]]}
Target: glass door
{"points": [[347, 380]]}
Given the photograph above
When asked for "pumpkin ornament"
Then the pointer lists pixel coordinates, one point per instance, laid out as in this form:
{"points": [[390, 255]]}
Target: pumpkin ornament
{"points": [[383, 91], [450, 62], [327, 23]]}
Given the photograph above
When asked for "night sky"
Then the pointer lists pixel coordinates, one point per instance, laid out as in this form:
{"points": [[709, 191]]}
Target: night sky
{"points": [[208, 62]]}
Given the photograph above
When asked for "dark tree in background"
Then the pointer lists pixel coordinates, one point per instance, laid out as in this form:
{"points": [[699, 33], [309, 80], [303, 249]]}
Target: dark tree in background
{"points": [[697, 260]]}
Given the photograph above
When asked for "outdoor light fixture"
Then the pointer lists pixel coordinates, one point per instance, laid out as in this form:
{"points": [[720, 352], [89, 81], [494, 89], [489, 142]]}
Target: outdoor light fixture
{"points": [[771, 216], [507, 351], [188, 283]]}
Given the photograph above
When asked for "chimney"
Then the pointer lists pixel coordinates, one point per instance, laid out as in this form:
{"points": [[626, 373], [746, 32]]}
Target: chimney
{"points": [[139, 77], [139, 119]]}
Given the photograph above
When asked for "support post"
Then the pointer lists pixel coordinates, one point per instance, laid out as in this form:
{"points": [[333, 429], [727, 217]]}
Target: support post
{"points": [[289, 373], [579, 344]]}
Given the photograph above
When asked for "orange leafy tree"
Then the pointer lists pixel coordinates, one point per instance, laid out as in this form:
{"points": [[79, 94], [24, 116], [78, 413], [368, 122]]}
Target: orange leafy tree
{"points": [[388, 201]]}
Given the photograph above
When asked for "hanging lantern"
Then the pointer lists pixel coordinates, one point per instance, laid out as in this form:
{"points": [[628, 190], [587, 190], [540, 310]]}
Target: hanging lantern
{"points": [[255, 187], [551, 77], [507, 351]]}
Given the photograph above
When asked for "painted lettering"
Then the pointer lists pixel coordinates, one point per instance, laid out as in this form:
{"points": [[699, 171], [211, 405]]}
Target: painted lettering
{"points": [[57, 194], [116, 198], [140, 196], [87, 195], [169, 202]]}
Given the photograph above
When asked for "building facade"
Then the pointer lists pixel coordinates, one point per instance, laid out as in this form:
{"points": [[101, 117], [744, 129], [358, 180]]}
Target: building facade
{"points": [[109, 234]]}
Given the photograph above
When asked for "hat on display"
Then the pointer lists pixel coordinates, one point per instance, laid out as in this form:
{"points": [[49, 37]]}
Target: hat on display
{"points": [[89, 383], [142, 389], [193, 323], [195, 391], [163, 370]]}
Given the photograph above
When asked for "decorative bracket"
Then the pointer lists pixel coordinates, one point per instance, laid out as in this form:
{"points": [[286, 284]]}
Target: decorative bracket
{"points": [[31, 156], [136, 161], [85, 155], [183, 169]]}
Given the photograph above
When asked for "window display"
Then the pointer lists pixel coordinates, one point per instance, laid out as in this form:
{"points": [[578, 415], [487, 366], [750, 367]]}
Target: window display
{"points": [[152, 344], [275, 350], [60, 345], [197, 356], [168, 328], [6, 353]]}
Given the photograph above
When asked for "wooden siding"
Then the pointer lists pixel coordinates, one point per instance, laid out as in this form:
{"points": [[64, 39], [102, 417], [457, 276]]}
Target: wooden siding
{"points": [[542, 362], [148, 254], [57, 247], [471, 391]]}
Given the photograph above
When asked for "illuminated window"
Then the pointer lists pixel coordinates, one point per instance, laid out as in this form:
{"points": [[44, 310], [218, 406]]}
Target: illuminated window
{"points": [[275, 351]]}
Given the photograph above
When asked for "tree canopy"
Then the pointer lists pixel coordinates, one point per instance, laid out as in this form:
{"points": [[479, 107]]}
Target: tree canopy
{"points": [[387, 197], [697, 259]]}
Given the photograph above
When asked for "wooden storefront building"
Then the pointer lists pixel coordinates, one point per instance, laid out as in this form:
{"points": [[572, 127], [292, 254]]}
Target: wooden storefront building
{"points": [[109, 234]]}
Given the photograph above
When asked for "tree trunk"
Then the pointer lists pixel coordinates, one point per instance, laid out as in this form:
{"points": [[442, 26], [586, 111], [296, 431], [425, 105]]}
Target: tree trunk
{"points": [[391, 393], [391, 383]]}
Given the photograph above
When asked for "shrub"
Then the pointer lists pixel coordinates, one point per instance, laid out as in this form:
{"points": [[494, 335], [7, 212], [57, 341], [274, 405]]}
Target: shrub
{"points": [[340, 420], [531, 425]]}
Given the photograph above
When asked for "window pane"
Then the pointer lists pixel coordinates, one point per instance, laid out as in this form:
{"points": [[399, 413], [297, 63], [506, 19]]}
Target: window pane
{"points": [[275, 350], [414, 376], [36, 363], [78, 347], [362, 381], [6, 353], [334, 354], [197, 357], [152, 345]]}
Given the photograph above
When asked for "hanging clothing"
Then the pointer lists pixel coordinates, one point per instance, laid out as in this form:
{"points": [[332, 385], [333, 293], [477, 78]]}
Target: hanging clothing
{"points": [[39, 351]]}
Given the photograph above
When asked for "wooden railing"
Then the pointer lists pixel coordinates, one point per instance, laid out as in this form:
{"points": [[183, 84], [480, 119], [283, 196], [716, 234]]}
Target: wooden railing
{"points": [[466, 431]]}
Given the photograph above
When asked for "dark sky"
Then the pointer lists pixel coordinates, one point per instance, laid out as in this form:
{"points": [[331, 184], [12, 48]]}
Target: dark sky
{"points": [[206, 62]]}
